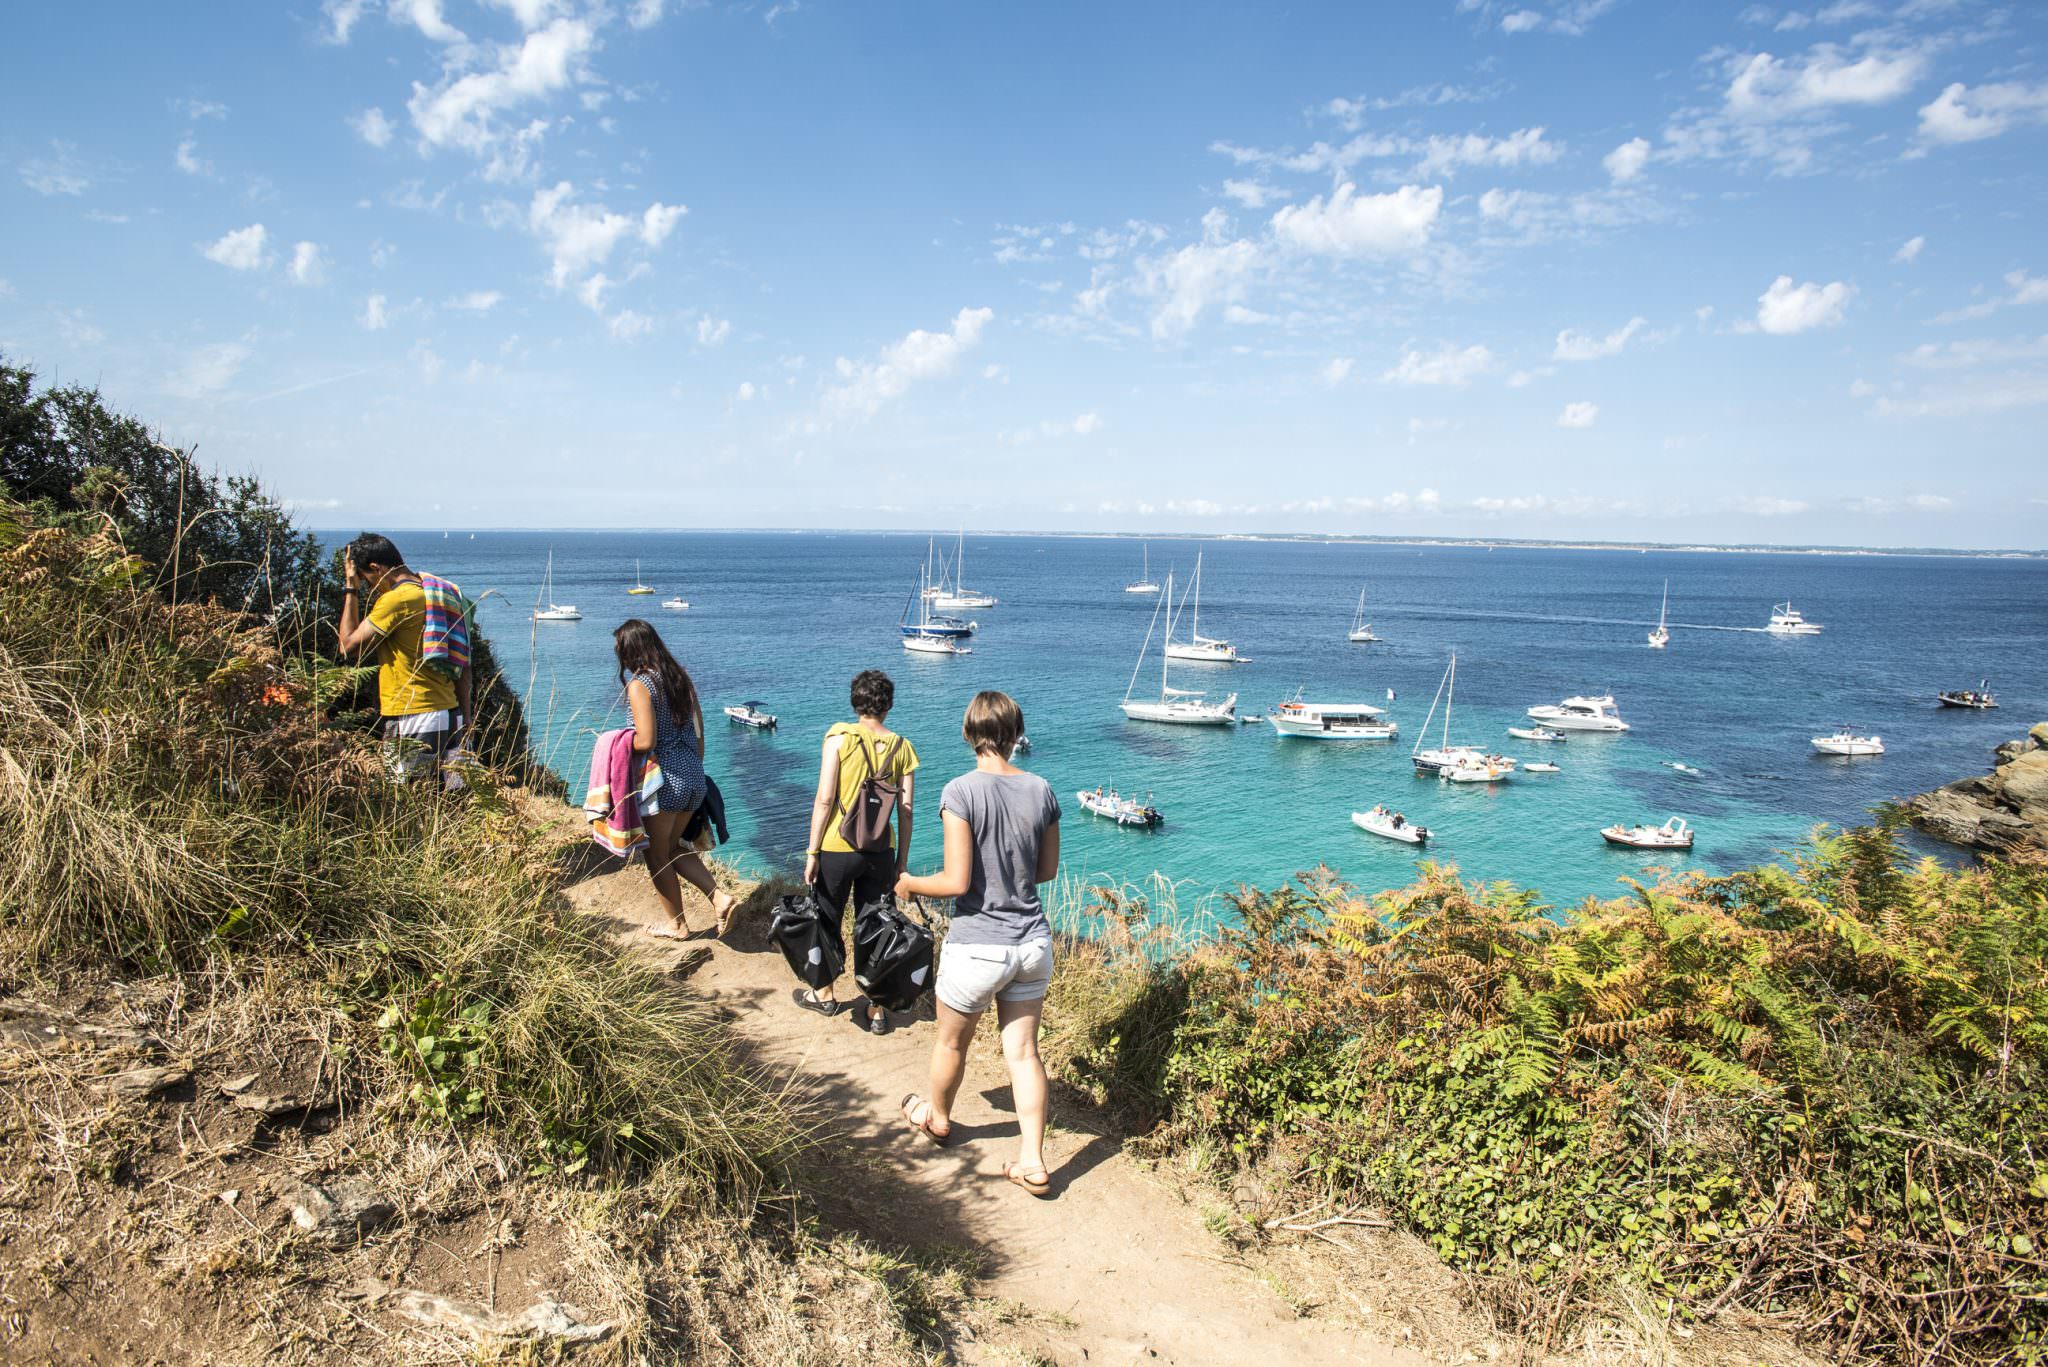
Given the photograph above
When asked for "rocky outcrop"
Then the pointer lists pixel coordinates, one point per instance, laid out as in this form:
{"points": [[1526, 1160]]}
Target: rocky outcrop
{"points": [[2004, 811]]}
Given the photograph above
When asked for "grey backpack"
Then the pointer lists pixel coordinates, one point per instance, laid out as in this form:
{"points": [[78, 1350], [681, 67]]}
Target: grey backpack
{"points": [[865, 827]]}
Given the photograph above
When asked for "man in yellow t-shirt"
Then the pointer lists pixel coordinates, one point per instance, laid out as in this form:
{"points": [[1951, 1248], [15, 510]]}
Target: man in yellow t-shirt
{"points": [[421, 708], [854, 751]]}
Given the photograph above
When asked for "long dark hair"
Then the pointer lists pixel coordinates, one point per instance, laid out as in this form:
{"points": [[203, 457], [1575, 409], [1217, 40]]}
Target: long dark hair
{"points": [[641, 652]]}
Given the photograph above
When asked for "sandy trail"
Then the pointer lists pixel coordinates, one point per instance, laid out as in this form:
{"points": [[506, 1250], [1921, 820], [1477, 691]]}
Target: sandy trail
{"points": [[1117, 1268]]}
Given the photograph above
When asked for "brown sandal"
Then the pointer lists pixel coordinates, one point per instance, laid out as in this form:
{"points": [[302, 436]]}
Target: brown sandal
{"points": [[1035, 1180], [924, 1126]]}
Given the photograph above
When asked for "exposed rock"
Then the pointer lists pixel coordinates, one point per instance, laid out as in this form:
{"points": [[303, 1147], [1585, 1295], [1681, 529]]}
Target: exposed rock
{"points": [[338, 1214], [140, 1081], [546, 1318], [2004, 811]]}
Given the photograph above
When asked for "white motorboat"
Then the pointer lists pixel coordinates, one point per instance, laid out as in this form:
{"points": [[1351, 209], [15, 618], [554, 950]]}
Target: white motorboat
{"points": [[1786, 621], [1392, 825], [961, 597], [1331, 721], [676, 604], [752, 713], [1846, 742], [1361, 630], [639, 588], [1206, 649], [1682, 767], [1543, 733], [1444, 754], [1124, 811], [1485, 769], [1672, 835], [1661, 637], [553, 612], [1180, 706], [935, 645], [1144, 582], [1539, 767], [1580, 714]]}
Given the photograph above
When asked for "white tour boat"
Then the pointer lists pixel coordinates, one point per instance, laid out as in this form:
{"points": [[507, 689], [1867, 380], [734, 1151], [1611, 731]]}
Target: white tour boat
{"points": [[639, 588], [960, 595], [1331, 721], [752, 713], [1539, 767], [1580, 714], [1786, 621], [553, 612], [1124, 811], [676, 604], [1536, 733], [1361, 630], [1672, 835], [1144, 582], [1206, 649], [1846, 742], [1392, 825], [1661, 637], [1180, 706], [1444, 754]]}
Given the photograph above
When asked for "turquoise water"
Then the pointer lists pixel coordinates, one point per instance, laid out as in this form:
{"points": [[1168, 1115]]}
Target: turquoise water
{"points": [[789, 618]]}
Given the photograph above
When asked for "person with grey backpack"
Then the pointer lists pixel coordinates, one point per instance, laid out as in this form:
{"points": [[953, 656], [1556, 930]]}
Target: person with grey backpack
{"points": [[860, 824]]}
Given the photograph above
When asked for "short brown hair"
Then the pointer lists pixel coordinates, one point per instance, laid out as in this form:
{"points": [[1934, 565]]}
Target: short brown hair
{"points": [[993, 723], [872, 694]]}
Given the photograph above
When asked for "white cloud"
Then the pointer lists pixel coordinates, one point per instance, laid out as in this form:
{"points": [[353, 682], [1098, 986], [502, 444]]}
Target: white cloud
{"points": [[426, 16], [199, 109], [463, 110], [1767, 87], [1973, 398], [531, 14], [1350, 224], [186, 158], [919, 356], [591, 292], [1626, 162], [76, 329], [476, 301], [374, 318], [1962, 113], [745, 393], [1786, 308], [1579, 414], [1909, 503], [1443, 155], [1909, 250], [372, 127], [206, 371], [1767, 505], [1336, 372], [646, 13], [711, 331], [625, 325], [581, 236], [60, 173], [1447, 365], [1087, 424], [2026, 289], [308, 266], [341, 17], [1573, 345], [998, 373], [1970, 354], [1252, 194], [1520, 21], [425, 361], [1188, 281], [240, 250]]}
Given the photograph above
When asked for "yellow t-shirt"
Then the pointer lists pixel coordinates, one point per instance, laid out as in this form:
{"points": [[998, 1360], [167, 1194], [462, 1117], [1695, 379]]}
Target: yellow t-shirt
{"points": [[853, 771], [405, 688]]}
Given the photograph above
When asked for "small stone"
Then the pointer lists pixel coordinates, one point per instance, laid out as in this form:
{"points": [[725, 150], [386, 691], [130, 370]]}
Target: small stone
{"points": [[229, 1197], [546, 1318], [340, 1213], [240, 1084], [140, 1081]]}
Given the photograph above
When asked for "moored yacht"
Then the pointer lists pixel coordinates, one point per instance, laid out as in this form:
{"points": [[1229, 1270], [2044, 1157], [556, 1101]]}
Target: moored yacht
{"points": [[1661, 637], [1180, 706], [1444, 755], [1786, 621], [1331, 721], [1847, 742], [1579, 714], [1361, 630], [1143, 583], [960, 596], [1206, 649], [935, 645]]}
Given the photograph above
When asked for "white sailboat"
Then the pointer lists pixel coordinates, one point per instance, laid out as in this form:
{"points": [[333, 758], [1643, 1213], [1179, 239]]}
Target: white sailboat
{"points": [[1207, 649], [1661, 637], [961, 596], [929, 625], [553, 612], [1361, 630], [1444, 755], [639, 584], [934, 588], [1144, 584], [1181, 706]]}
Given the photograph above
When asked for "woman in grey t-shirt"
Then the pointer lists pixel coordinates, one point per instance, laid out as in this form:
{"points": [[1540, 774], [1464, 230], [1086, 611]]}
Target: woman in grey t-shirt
{"points": [[1002, 840]]}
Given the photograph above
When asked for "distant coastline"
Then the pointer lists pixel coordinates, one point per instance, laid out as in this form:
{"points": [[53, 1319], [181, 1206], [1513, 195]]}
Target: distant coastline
{"points": [[1305, 538]]}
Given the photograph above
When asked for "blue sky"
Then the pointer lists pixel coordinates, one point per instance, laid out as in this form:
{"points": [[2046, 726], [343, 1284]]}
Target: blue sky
{"points": [[1568, 268]]}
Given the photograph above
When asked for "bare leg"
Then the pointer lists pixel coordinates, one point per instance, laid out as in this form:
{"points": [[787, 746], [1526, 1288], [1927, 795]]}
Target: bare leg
{"points": [[949, 1063], [697, 874], [1027, 1077], [662, 828]]}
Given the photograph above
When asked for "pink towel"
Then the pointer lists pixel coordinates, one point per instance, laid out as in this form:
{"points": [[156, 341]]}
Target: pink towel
{"points": [[614, 799]]}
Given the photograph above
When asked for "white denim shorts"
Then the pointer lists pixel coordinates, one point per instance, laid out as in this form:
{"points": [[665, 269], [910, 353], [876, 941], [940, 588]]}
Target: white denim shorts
{"points": [[973, 976]]}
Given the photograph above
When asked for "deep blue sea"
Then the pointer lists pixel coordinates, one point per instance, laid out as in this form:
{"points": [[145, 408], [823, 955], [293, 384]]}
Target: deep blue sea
{"points": [[789, 618]]}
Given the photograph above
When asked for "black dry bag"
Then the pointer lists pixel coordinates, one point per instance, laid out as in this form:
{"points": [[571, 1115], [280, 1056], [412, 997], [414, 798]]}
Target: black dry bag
{"points": [[811, 946], [892, 956]]}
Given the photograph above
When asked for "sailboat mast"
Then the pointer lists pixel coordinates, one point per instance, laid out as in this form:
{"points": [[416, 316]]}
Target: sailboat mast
{"points": [[1452, 681], [1141, 652], [1163, 654], [1197, 587]]}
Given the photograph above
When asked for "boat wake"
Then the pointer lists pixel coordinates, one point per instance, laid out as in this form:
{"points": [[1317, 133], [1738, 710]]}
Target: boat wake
{"points": [[1477, 615]]}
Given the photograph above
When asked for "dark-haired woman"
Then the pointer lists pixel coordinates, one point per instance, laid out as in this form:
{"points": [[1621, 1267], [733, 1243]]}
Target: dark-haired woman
{"points": [[833, 868], [668, 723]]}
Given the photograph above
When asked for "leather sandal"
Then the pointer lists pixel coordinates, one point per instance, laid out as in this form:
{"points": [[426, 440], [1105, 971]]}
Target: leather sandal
{"points": [[1035, 1180], [924, 1126]]}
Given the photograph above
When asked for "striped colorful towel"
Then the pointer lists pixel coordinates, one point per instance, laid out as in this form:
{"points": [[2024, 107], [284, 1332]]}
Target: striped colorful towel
{"points": [[444, 636], [619, 798]]}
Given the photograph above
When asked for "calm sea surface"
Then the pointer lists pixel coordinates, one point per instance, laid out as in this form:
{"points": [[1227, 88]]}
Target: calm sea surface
{"points": [[789, 618]]}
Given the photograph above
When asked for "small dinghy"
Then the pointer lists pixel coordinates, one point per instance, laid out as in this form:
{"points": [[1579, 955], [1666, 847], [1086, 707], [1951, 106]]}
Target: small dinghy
{"points": [[752, 714], [1539, 768], [1536, 733], [1977, 699], [1682, 767], [1672, 835], [1124, 811], [1392, 825], [1491, 769], [675, 604]]}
